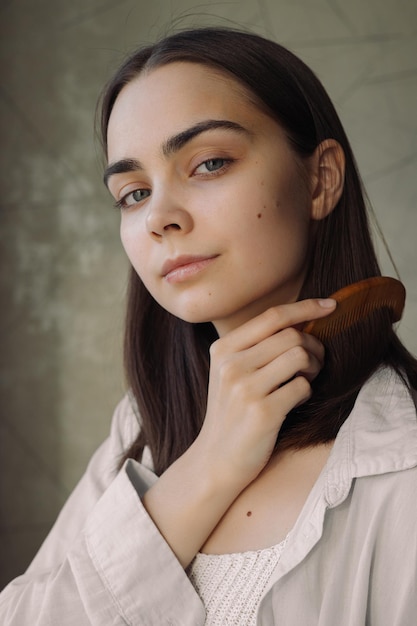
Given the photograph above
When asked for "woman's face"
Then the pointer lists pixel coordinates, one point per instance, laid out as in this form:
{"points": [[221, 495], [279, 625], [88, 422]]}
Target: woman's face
{"points": [[215, 209]]}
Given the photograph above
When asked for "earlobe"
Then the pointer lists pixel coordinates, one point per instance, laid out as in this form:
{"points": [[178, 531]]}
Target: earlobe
{"points": [[329, 178]]}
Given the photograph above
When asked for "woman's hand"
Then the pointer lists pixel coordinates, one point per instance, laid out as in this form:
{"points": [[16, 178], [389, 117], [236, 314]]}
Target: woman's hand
{"points": [[259, 372]]}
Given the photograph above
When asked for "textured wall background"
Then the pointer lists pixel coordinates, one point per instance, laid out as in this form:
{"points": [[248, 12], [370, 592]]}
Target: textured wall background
{"points": [[62, 279]]}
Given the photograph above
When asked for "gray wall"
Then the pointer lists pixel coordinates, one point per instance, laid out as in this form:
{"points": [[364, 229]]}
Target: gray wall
{"points": [[63, 274]]}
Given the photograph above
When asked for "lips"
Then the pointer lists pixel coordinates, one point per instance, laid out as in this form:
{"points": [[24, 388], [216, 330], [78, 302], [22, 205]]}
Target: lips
{"points": [[184, 266]]}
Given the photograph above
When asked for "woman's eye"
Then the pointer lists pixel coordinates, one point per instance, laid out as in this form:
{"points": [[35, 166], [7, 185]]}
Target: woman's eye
{"points": [[132, 198], [212, 165]]}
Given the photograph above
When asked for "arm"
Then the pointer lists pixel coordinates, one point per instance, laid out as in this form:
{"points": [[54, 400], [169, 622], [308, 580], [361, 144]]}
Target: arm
{"points": [[117, 553], [104, 561], [259, 372]]}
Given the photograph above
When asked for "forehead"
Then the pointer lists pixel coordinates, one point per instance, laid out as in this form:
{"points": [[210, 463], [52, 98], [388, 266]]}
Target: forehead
{"points": [[190, 78], [173, 96]]}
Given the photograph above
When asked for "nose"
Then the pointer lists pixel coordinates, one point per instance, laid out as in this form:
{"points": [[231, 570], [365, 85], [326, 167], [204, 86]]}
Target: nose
{"points": [[167, 215]]}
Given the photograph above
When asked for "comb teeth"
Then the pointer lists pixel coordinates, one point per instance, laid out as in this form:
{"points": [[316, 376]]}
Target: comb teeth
{"points": [[358, 301]]}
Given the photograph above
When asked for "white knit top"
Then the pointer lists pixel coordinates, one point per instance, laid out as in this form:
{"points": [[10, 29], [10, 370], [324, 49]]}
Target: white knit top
{"points": [[231, 585]]}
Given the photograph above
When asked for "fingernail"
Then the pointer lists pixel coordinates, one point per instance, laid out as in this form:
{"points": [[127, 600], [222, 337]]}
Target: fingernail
{"points": [[328, 303]]}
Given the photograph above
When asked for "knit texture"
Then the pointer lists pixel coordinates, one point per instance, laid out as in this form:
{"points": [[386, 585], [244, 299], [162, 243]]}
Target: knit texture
{"points": [[231, 585]]}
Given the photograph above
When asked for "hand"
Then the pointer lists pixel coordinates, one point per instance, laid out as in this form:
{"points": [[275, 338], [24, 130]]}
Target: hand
{"points": [[258, 373]]}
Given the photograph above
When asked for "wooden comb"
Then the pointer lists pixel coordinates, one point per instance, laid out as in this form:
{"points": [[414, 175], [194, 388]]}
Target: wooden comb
{"points": [[356, 302]]}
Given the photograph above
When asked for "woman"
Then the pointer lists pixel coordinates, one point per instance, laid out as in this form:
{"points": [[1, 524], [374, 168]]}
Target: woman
{"points": [[272, 479]]}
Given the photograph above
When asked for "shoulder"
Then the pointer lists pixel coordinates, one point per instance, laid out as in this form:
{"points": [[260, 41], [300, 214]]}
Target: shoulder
{"points": [[125, 428], [125, 424], [99, 475], [380, 435], [394, 491], [378, 442]]}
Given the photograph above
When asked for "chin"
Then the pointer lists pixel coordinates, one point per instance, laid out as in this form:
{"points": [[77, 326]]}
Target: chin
{"points": [[194, 311], [191, 318]]}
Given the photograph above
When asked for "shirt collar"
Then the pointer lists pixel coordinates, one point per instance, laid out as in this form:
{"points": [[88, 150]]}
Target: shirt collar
{"points": [[379, 436]]}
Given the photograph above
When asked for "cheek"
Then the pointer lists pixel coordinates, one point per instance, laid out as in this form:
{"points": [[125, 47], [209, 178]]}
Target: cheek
{"points": [[290, 208], [279, 231], [127, 240], [134, 245]]}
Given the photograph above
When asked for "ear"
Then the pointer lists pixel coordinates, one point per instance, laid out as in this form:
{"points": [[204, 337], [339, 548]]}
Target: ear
{"points": [[328, 178]]}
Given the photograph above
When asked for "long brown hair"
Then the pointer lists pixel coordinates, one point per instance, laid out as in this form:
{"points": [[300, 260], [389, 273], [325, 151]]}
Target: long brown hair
{"points": [[167, 359]]}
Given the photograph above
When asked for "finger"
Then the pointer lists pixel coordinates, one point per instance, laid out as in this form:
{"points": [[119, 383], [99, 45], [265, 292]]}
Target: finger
{"points": [[281, 401], [270, 348], [275, 319], [278, 373]]}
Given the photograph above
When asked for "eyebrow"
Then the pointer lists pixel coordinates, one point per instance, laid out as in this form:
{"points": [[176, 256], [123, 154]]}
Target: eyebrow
{"points": [[174, 144]]}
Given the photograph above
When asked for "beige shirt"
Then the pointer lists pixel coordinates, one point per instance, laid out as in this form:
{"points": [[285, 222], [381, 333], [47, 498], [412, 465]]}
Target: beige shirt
{"points": [[350, 560]]}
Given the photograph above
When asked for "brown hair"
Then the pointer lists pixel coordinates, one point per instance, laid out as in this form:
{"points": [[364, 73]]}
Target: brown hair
{"points": [[167, 359]]}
